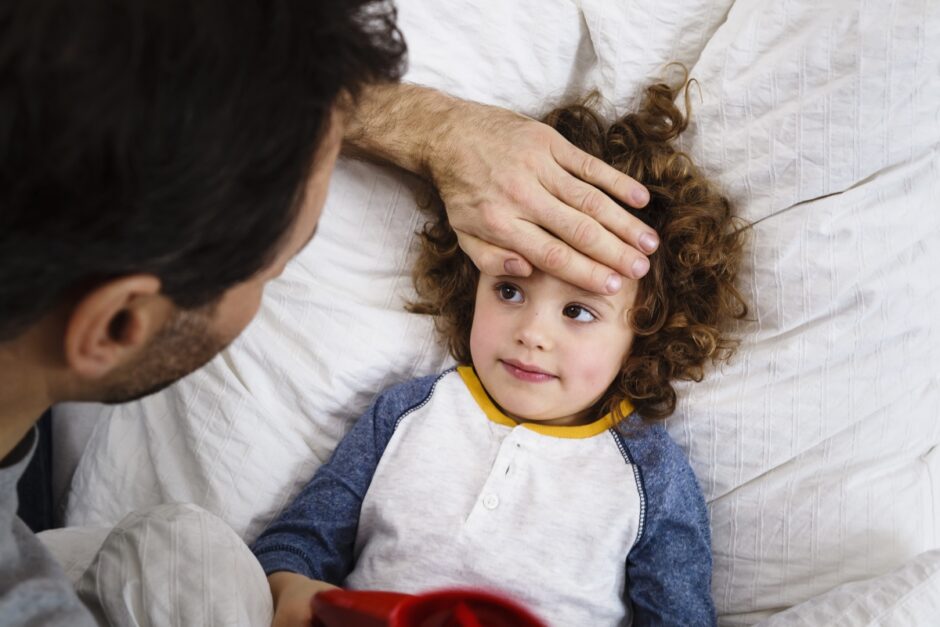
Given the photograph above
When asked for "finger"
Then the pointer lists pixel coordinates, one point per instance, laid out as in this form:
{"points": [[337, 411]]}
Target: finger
{"points": [[594, 171], [585, 235], [593, 203], [553, 256], [493, 260], [542, 249]]}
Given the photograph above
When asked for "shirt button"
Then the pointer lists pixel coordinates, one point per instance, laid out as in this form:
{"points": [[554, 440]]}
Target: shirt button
{"points": [[490, 501]]}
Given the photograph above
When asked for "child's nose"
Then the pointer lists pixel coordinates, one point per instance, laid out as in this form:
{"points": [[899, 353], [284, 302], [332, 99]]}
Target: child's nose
{"points": [[533, 332]]}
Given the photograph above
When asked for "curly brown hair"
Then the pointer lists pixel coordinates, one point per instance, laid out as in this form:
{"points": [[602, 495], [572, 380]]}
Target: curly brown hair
{"points": [[684, 302]]}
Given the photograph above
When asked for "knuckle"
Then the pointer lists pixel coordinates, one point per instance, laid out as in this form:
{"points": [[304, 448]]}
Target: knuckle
{"points": [[531, 158], [592, 203], [540, 132], [589, 168], [492, 219], [584, 234], [555, 256], [518, 191]]}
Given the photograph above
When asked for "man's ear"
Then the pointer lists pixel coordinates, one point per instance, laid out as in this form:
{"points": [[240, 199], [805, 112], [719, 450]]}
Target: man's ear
{"points": [[110, 324]]}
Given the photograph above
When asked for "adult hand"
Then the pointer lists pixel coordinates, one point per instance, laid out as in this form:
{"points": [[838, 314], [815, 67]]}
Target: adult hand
{"points": [[519, 194], [292, 594]]}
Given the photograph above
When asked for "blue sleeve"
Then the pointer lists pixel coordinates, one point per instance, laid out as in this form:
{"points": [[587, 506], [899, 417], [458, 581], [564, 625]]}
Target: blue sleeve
{"points": [[315, 536], [669, 568]]}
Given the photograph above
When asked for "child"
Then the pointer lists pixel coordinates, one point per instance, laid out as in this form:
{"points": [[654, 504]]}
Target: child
{"points": [[538, 467]]}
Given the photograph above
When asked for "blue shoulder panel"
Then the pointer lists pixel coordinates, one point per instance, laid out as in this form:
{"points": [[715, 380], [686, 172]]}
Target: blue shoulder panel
{"points": [[316, 534], [669, 567]]}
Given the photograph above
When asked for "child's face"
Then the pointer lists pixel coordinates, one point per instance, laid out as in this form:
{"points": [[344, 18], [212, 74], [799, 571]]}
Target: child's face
{"points": [[546, 350]]}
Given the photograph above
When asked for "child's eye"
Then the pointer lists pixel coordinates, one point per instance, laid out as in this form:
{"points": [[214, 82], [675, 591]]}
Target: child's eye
{"points": [[509, 293], [578, 313]]}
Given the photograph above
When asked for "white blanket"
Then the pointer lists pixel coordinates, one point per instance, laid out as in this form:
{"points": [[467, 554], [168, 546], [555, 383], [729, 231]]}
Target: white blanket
{"points": [[816, 448]]}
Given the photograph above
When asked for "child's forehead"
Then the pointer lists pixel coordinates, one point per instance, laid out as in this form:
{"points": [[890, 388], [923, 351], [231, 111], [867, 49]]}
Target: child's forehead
{"points": [[543, 284]]}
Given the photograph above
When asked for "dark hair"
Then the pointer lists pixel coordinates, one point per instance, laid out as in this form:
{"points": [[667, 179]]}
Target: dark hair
{"points": [[170, 137], [685, 300]]}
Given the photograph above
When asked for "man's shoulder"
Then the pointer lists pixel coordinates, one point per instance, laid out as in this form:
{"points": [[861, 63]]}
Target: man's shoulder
{"points": [[33, 588]]}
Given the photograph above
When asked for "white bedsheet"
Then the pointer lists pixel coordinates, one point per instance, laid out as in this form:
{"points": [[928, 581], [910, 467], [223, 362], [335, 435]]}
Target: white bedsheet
{"points": [[816, 448]]}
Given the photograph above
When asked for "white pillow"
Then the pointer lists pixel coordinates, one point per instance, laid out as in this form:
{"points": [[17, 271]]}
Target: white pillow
{"points": [[816, 448], [908, 595]]}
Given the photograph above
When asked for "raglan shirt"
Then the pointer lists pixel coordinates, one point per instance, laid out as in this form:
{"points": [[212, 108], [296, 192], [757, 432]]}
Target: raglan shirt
{"points": [[33, 588], [434, 487]]}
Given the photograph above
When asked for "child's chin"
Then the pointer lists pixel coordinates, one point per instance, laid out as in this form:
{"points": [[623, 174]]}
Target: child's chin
{"points": [[533, 415]]}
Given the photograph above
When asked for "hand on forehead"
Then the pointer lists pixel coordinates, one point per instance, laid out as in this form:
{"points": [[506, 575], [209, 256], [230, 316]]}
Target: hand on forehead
{"points": [[532, 199]]}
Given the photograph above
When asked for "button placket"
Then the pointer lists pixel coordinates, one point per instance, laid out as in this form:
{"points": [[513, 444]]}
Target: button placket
{"points": [[500, 473]]}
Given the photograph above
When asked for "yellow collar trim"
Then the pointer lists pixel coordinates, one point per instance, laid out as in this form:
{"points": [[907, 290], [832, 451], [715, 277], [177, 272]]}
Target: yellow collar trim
{"points": [[492, 412]]}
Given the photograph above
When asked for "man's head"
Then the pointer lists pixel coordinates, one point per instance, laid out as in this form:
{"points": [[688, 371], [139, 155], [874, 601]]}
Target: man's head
{"points": [[181, 339], [160, 161]]}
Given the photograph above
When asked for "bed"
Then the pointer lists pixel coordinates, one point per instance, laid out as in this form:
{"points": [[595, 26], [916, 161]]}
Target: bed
{"points": [[817, 447]]}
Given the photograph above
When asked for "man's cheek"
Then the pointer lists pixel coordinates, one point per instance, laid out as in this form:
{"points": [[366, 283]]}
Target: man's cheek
{"points": [[237, 309]]}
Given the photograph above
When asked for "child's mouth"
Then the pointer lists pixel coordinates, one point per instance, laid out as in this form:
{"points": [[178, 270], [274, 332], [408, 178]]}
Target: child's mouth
{"points": [[526, 372]]}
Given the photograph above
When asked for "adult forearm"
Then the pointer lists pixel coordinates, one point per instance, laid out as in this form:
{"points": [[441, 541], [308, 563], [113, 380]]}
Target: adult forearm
{"points": [[401, 124]]}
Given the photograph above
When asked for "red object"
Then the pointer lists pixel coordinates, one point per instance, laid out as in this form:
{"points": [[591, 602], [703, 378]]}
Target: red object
{"points": [[454, 607]]}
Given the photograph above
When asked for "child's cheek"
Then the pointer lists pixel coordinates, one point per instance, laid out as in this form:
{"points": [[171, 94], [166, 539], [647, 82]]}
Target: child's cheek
{"points": [[482, 337], [597, 374], [600, 363]]}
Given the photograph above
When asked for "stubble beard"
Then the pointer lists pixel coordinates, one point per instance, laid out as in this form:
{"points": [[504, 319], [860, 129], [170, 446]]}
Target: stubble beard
{"points": [[184, 344]]}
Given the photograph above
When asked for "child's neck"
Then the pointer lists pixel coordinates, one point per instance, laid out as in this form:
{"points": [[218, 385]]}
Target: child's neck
{"points": [[584, 417]]}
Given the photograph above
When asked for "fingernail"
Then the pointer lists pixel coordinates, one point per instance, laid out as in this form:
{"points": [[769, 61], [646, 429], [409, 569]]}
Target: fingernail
{"points": [[648, 242], [512, 267], [640, 196], [641, 266], [613, 284]]}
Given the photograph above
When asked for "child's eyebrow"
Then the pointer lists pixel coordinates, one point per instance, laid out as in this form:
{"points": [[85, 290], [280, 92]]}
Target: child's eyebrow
{"points": [[594, 297]]}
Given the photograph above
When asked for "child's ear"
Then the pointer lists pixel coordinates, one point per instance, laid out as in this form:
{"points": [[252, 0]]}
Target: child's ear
{"points": [[112, 323]]}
